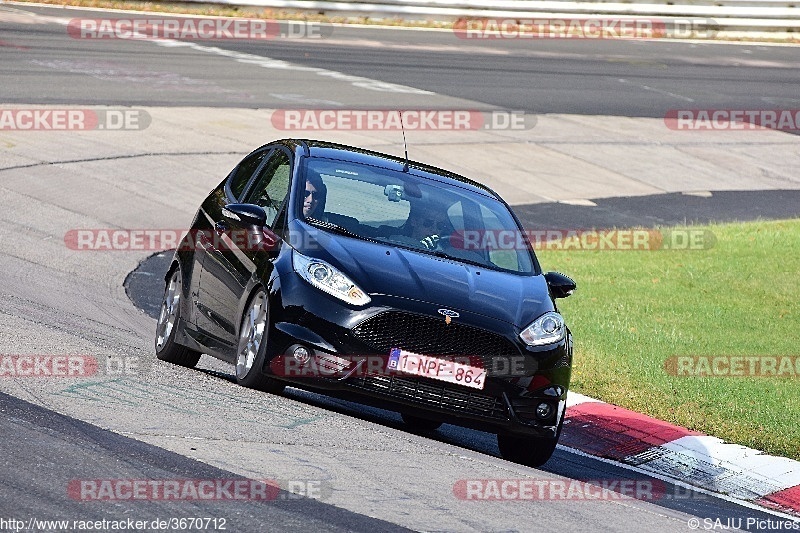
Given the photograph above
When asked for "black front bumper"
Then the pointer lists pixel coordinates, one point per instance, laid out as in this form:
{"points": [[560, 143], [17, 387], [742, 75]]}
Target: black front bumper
{"points": [[301, 315]]}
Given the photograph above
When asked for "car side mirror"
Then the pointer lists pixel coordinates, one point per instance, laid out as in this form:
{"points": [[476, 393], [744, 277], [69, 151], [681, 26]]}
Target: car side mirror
{"points": [[245, 214], [560, 285]]}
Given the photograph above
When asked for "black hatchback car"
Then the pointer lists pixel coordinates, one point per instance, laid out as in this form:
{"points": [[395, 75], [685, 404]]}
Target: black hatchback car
{"points": [[379, 280]]}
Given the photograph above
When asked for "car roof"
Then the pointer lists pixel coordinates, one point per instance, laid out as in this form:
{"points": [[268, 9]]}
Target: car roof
{"points": [[330, 150]]}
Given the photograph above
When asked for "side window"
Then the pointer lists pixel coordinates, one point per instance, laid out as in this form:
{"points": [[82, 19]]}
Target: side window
{"points": [[272, 185], [242, 173]]}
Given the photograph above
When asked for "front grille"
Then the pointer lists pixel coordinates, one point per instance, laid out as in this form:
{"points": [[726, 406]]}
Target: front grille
{"points": [[427, 335], [443, 397]]}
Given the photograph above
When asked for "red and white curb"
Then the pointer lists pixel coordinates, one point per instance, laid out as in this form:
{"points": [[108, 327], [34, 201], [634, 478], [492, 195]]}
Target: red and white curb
{"points": [[603, 430]]}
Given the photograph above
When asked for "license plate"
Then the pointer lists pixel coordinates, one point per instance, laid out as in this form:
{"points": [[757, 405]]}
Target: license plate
{"points": [[435, 368]]}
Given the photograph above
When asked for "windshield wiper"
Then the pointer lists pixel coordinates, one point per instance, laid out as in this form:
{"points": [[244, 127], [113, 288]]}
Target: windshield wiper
{"points": [[330, 226], [445, 255], [440, 254]]}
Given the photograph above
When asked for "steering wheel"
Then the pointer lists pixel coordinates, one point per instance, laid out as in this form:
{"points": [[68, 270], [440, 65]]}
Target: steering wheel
{"points": [[431, 242]]}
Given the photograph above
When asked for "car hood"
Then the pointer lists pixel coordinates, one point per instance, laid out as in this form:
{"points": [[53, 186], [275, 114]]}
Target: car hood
{"points": [[382, 269]]}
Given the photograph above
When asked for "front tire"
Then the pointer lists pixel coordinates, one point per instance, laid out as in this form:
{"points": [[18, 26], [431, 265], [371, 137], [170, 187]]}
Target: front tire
{"points": [[528, 451], [422, 425], [168, 320], [252, 347]]}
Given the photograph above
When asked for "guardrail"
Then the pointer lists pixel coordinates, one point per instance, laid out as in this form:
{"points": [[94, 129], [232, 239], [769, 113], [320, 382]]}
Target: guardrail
{"points": [[733, 18]]}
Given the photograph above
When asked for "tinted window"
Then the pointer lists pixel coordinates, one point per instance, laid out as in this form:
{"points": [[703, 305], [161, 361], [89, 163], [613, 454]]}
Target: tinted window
{"points": [[242, 173], [271, 185], [413, 212]]}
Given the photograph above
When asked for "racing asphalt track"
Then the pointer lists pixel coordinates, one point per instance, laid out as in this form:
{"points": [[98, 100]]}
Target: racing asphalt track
{"points": [[163, 422]]}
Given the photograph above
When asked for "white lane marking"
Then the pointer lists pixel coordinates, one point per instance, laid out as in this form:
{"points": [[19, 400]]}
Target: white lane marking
{"points": [[298, 98], [574, 398], [371, 43], [156, 80], [667, 93], [277, 64], [781, 101], [741, 472], [755, 470], [660, 91], [583, 202], [679, 483]]}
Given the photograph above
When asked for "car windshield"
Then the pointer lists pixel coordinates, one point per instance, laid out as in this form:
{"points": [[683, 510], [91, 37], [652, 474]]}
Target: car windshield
{"points": [[413, 212]]}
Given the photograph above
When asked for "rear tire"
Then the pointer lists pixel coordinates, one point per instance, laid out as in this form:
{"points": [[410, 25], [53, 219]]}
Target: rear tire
{"points": [[423, 425], [253, 344], [166, 327]]}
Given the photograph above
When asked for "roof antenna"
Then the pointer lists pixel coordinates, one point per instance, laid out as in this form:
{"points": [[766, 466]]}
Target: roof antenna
{"points": [[405, 146]]}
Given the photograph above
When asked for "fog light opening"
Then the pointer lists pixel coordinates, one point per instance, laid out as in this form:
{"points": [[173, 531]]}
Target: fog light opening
{"points": [[301, 354], [544, 411]]}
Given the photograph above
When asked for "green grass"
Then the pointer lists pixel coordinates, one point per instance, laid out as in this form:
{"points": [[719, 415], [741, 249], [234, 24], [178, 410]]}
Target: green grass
{"points": [[635, 309]]}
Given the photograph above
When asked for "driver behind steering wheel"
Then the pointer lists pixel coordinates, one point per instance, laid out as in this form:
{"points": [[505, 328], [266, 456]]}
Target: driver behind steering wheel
{"points": [[427, 225]]}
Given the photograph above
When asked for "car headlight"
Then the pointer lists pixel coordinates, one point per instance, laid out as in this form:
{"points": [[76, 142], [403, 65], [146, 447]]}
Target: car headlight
{"points": [[326, 278], [546, 329]]}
